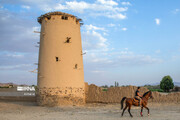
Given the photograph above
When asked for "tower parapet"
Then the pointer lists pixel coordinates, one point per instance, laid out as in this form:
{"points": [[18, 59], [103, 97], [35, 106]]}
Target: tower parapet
{"points": [[60, 68], [63, 16]]}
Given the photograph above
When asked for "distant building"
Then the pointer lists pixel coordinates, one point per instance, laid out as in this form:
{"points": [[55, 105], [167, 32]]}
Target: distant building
{"points": [[60, 67], [176, 89], [7, 85]]}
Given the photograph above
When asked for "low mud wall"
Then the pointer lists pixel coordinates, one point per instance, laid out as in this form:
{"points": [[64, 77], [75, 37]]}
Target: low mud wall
{"points": [[17, 99], [166, 97], [95, 94]]}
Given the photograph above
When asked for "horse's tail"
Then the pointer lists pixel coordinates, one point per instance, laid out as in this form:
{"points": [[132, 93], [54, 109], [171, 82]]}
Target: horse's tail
{"points": [[122, 101]]}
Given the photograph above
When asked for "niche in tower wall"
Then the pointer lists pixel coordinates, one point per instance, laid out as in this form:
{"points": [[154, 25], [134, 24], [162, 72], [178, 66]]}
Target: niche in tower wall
{"points": [[64, 17], [68, 40], [49, 17], [57, 59], [76, 66]]}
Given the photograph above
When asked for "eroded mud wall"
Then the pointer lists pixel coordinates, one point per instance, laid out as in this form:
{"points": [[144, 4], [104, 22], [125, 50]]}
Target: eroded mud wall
{"points": [[95, 94]]}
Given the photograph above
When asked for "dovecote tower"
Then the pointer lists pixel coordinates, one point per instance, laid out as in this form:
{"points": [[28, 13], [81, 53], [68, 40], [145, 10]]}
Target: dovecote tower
{"points": [[60, 68]]}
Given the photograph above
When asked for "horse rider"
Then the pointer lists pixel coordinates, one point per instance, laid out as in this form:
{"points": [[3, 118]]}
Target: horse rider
{"points": [[138, 96]]}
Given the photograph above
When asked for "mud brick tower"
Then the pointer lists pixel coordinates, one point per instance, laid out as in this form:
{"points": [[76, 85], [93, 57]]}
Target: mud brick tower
{"points": [[60, 67]]}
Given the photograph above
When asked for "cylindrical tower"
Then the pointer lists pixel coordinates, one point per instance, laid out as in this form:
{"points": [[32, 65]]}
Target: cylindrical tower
{"points": [[60, 68]]}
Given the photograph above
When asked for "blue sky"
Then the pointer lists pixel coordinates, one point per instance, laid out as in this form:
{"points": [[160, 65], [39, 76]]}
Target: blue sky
{"points": [[133, 42]]}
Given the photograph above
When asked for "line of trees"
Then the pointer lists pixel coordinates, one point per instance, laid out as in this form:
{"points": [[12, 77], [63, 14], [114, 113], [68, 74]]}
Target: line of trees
{"points": [[116, 84]]}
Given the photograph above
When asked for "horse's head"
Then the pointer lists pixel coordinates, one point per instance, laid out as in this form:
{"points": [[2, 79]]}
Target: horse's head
{"points": [[148, 95], [151, 96]]}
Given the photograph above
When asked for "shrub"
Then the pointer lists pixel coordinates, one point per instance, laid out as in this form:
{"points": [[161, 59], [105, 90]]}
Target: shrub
{"points": [[166, 83]]}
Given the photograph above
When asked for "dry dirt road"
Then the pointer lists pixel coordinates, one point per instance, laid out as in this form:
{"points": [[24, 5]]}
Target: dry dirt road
{"points": [[30, 111]]}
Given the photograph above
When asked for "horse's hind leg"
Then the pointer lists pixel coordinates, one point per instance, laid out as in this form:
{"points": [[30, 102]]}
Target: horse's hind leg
{"points": [[124, 110], [148, 110], [130, 111]]}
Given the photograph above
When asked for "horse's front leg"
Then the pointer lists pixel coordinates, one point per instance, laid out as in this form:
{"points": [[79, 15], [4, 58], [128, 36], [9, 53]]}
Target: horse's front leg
{"points": [[147, 109], [141, 111]]}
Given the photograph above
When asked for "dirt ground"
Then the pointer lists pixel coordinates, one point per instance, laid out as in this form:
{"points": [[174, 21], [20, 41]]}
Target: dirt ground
{"points": [[30, 111]]}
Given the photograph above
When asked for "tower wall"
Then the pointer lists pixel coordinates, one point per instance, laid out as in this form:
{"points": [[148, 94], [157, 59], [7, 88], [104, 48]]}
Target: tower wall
{"points": [[60, 69]]}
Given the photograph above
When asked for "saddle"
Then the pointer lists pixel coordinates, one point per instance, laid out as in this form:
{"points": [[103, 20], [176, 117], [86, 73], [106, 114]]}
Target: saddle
{"points": [[135, 100]]}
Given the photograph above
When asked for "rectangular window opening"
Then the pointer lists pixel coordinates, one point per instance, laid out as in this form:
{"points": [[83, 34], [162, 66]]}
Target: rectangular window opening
{"points": [[57, 59], [64, 17], [76, 66]]}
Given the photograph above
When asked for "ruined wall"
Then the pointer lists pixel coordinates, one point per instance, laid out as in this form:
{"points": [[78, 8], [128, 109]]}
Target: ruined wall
{"points": [[112, 95], [95, 94], [166, 97]]}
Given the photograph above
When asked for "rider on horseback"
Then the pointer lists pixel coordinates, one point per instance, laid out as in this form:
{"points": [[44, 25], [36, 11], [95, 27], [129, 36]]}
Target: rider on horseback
{"points": [[138, 96]]}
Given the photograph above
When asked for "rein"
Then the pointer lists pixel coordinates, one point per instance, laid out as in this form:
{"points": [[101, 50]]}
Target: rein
{"points": [[146, 95]]}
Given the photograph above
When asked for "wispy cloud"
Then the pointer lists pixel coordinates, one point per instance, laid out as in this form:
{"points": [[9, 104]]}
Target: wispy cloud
{"points": [[26, 7], [16, 67], [124, 29], [126, 3], [92, 27], [175, 11], [15, 55], [158, 51], [107, 8], [108, 2], [157, 20], [93, 40], [111, 25], [16, 33], [121, 58], [97, 71]]}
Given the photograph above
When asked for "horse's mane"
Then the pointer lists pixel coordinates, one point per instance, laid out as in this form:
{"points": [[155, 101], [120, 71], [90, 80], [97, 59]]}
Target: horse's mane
{"points": [[146, 93]]}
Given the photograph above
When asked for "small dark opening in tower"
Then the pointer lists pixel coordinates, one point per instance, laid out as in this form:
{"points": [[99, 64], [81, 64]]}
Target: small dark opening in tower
{"points": [[76, 66], [57, 59], [48, 17], [68, 40], [64, 17]]}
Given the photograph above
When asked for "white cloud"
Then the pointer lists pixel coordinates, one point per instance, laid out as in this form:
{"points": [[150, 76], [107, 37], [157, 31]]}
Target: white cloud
{"points": [[26, 7], [104, 33], [92, 40], [12, 67], [60, 7], [108, 2], [92, 27], [99, 59], [97, 71], [81, 6], [157, 20], [15, 55], [126, 3], [124, 29], [116, 16], [138, 59], [107, 8]]}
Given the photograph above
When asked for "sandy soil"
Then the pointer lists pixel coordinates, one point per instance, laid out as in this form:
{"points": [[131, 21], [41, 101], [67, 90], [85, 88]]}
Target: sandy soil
{"points": [[30, 111]]}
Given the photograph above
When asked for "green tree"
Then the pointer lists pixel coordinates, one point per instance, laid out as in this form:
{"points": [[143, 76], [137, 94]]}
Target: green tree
{"points": [[166, 83]]}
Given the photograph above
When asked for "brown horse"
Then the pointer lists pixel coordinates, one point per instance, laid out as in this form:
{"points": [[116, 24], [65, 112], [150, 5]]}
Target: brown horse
{"points": [[130, 102]]}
